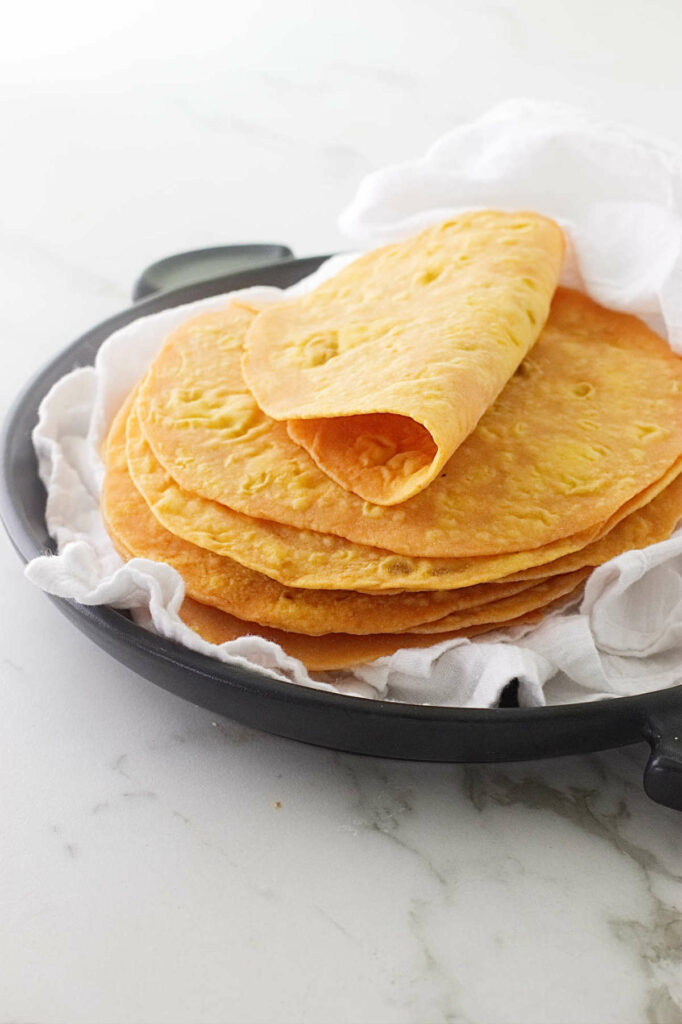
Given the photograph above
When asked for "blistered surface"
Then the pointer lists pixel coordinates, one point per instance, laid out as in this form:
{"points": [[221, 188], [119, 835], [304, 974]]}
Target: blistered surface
{"points": [[219, 580], [591, 418], [385, 368], [304, 558]]}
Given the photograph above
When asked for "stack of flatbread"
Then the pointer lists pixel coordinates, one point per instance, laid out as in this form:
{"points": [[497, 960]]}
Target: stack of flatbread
{"points": [[436, 442]]}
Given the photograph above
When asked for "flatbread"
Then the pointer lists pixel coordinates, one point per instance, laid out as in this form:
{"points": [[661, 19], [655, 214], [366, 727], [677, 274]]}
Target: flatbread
{"points": [[592, 417], [323, 653], [220, 581], [305, 559], [649, 525], [536, 599], [225, 584], [383, 370]]}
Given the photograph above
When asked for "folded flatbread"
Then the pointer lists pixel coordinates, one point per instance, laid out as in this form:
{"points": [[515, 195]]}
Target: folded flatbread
{"points": [[591, 419], [382, 371]]}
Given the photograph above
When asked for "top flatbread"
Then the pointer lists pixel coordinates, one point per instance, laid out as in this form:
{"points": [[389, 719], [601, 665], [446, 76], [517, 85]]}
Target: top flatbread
{"points": [[592, 417], [383, 370], [309, 560], [220, 581]]}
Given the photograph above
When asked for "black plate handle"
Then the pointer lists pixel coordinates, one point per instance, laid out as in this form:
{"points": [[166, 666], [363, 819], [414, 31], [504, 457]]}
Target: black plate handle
{"points": [[663, 773], [203, 264]]}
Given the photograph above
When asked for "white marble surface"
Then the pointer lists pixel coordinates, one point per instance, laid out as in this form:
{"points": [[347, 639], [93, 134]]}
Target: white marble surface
{"points": [[159, 865]]}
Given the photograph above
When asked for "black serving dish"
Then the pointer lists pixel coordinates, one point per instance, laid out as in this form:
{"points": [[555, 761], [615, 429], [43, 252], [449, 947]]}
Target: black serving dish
{"points": [[345, 723]]}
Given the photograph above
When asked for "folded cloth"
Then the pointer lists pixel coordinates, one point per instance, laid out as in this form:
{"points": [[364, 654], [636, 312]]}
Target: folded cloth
{"points": [[617, 194], [618, 198]]}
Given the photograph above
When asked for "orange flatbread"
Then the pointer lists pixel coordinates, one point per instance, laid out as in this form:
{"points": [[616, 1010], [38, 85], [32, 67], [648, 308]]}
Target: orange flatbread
{"points": [[649, 525], [305, 559], [220, 581], [591, 419], [323, 653], [383, 370], [538, 598]]}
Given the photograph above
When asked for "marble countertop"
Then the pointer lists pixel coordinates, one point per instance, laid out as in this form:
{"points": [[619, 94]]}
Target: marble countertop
{"points": [[160, 866]]}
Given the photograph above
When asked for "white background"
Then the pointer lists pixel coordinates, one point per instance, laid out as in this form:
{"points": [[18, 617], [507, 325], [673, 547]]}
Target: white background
{"points": [[146, 873]]}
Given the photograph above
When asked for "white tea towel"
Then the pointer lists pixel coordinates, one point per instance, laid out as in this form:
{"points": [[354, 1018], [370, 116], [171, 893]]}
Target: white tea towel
{"points": [[619, 199]]}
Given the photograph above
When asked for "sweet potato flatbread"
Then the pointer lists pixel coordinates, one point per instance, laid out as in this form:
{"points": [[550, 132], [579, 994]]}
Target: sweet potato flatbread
{"points": [[329, 651], [323, 653], [592, 418], [383, 370], [305, 559], [536, 598], [649, 525], [220, 581]]}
